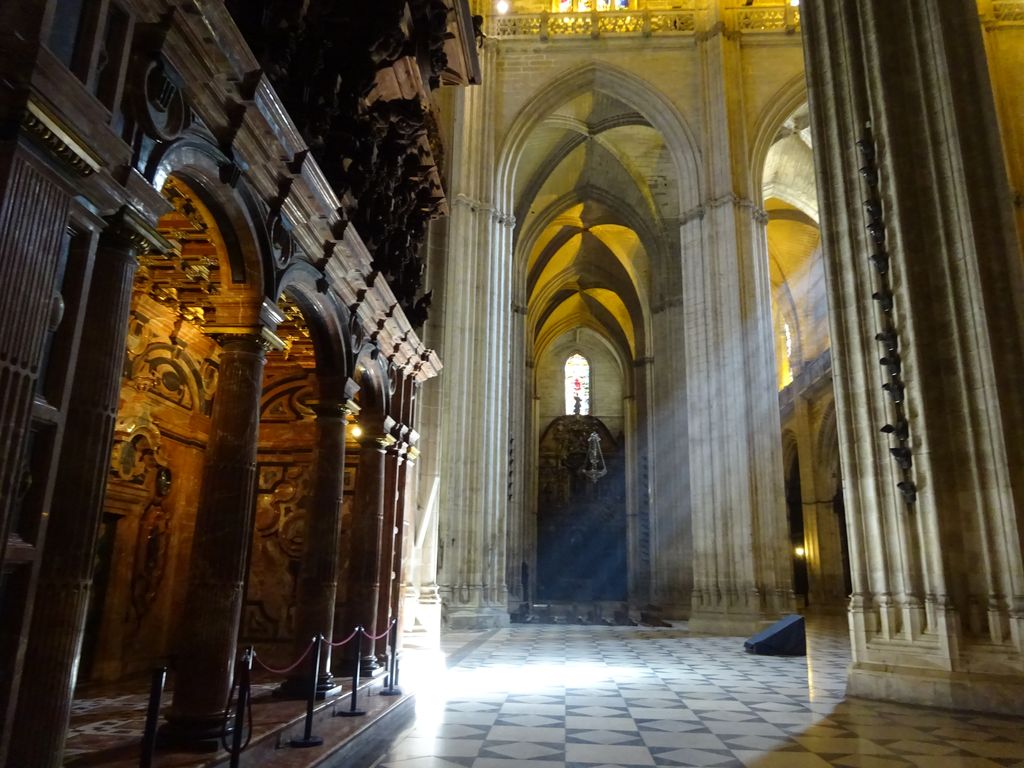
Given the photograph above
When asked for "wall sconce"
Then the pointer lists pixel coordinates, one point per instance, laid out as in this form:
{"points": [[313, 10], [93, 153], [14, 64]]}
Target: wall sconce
{"points": [[501, 7], [800, 552], [884, 299], [895, 390], [909, 491], [892, 364], [888, 338], [357, 431], [902, 456], [900, 430]]}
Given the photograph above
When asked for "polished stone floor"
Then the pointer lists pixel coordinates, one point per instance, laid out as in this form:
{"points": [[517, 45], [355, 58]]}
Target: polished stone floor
{"points": [[551, 696]]}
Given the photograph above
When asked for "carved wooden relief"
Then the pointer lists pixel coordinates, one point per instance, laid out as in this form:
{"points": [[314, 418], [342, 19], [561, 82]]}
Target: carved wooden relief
{"points": [[283, 494]]}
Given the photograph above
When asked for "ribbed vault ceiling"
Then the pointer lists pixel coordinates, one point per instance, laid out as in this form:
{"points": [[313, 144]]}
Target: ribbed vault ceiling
{"points": [[593, 183]]}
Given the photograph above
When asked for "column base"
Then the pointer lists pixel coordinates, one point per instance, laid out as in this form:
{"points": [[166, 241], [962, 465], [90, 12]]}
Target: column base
{"points": [[938, 688], [476, 617], [297, 688], [369, 668], [192, 733], [728, 624]]}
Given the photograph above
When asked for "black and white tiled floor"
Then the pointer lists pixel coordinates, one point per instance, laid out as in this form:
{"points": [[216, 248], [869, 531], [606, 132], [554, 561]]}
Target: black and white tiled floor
{"points": [[590, 697]]}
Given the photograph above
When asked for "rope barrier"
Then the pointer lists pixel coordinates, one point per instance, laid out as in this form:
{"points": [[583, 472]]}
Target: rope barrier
{"points": [[375, 638], [286, 670], [243, 706], [342, 642]]}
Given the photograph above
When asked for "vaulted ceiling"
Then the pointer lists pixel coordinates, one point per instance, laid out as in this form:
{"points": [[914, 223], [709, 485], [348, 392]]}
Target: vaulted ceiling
{"points": [[593, 184]]}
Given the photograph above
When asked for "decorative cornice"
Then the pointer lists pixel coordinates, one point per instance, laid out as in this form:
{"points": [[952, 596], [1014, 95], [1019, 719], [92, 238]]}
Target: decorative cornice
{"points": [[135, 230], [58, 140], [716, 29]]}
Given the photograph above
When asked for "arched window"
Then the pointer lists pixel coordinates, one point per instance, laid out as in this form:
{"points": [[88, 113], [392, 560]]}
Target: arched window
{"points": [[577, 385]]}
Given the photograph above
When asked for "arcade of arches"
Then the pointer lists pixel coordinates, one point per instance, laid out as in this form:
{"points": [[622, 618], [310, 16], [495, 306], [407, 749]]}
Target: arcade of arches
{"points": [[727, 297]]}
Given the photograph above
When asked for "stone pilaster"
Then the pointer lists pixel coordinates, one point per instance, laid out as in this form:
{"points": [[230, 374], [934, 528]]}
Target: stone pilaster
{"points": [[220, 550], [318, 571], [937, 613], [475, 396], [65, 578], [742, 574]]}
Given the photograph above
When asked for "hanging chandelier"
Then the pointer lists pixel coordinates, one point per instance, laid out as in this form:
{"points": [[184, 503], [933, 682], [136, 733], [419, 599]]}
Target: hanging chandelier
{"points": [[595, 467]]}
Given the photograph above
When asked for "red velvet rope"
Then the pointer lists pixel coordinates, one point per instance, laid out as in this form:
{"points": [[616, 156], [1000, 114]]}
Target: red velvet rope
{"points": [[382, 634], [286, 670], [342, 642]]}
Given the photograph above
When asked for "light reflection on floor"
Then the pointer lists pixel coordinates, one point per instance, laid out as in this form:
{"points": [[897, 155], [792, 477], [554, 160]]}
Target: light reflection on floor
{"points": [[550, 696]]}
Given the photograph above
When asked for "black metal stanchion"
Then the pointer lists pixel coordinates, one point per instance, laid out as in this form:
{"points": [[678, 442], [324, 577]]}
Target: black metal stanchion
{"points": [[156, 691], [308, 739], [244, 671], [353, 711], [392, 688]]}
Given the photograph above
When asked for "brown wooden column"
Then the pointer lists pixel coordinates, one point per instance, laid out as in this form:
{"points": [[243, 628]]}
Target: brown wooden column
{"points": [[402, 526], [394, 458], [58, 618], [365, 558], [318, 573], [220, 550]]}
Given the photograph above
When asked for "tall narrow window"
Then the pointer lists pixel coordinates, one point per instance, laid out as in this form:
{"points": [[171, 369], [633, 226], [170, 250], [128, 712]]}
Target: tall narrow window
{"points": [[577, 385]]}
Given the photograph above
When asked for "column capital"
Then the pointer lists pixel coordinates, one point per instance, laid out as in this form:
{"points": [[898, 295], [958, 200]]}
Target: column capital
{"points": [[260, 336], [128, 228], [333, 408]]}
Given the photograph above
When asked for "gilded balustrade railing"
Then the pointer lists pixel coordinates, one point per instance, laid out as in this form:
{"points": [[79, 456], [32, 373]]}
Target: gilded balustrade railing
{"points": [[546, 25], [1007, 12], [593, 24], [763, 18]]}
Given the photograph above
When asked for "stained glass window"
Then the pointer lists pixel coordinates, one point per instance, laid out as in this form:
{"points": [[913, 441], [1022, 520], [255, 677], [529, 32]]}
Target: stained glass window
{"points": [[577, 385]]}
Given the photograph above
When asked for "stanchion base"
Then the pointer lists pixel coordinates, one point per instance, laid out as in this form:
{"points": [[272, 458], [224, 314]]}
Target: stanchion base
{"points": [[351, 713], [396, 691], [312, 741]]}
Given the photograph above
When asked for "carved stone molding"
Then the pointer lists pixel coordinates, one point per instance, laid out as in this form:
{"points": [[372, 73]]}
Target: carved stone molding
{"points": [[57, 140]]}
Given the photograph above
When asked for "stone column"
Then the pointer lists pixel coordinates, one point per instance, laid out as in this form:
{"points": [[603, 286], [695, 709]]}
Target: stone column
{"points": [[65, 577], [365, 556], [742, 573], [220, 550], [475, 397], [318, 571], [937, 561], [388, 540]]}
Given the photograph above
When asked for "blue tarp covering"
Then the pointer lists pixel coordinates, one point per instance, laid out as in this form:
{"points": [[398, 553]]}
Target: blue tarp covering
{"points": [[785, 637]]}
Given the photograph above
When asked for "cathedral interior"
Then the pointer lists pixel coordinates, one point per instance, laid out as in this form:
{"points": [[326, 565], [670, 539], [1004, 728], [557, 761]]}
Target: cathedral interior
{"points": [[520, 327]]}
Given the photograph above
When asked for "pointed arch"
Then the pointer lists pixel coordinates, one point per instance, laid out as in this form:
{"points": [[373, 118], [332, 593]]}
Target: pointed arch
{"points": [[783, 103], [627, 88]]}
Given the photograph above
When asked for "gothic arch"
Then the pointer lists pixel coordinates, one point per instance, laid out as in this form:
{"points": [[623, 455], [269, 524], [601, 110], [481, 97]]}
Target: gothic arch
{"points": [[784, 103], [628, 88]]}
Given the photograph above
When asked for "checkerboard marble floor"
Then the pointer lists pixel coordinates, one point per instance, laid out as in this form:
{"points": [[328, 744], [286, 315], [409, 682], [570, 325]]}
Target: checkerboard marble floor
{"points": [[589, 697]]}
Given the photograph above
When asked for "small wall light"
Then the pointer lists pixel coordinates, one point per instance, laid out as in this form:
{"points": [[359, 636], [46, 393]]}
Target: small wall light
{"points": [[357, 431], [501, 7], [799, 551]]}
